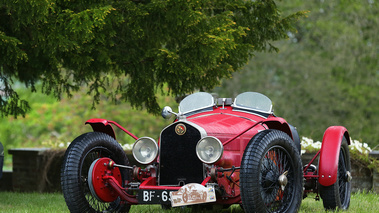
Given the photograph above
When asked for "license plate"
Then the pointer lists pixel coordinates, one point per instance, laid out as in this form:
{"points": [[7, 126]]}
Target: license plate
{"points": [[192, 193], [154, 197]]}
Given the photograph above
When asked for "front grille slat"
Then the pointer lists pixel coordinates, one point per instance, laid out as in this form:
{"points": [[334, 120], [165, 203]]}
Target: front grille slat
{"points": [[178, 160]]}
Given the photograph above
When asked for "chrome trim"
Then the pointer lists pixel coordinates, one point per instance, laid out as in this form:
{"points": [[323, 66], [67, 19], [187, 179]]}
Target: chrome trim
{"points": [[155, 145], [219, 143], [203, 134]]}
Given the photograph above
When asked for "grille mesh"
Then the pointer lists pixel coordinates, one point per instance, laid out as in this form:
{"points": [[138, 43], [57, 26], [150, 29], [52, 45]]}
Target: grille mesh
{"points": [[178, 160]]}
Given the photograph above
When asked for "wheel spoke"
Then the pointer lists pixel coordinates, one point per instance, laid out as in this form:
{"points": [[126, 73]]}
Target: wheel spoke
{"points": [[342, 161], [343, 184], [275, 163], [97, 205], [338, 194], [80, 155], [276, 177]]}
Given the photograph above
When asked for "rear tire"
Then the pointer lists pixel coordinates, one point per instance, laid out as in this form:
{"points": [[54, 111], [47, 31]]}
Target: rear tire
{"points": [[338, 194], [74, 172], [268, 156]]}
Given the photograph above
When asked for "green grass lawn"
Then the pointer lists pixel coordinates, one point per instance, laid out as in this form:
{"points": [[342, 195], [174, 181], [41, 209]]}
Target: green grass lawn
{"points": [[36, 202]]}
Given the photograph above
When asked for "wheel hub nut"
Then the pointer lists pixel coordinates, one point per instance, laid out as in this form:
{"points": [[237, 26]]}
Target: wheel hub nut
{"points": [[283, 180], [348, 176]]}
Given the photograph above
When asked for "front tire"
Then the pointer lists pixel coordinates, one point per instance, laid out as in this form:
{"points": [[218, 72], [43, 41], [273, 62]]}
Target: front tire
{"points": [[269, 156], [338, 194], [81, 153]]}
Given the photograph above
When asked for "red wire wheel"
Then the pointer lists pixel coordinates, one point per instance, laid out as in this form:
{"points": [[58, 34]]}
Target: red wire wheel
{"points": [[78, 164], [97, 185]]}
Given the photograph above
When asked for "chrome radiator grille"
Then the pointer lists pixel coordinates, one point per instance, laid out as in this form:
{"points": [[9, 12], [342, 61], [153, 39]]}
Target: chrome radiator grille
{"points": [[179, 163]]}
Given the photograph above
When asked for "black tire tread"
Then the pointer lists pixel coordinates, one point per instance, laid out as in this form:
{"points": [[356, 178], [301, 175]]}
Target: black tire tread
{"points": [[330, 194], [253, 154], [70, 170]]}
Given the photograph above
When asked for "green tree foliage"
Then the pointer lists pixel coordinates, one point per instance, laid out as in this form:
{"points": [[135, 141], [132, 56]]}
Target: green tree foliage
{"points": [[53, 124], [149, 44], [326, 74]]}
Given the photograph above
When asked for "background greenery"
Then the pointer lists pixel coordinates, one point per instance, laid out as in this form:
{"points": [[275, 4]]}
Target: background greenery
{"points": [[326, 74], [183, 45], [54, 124]]}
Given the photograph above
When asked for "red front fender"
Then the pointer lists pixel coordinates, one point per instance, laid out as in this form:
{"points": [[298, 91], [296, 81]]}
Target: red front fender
{"points": [[329, 154], [103, 125]]}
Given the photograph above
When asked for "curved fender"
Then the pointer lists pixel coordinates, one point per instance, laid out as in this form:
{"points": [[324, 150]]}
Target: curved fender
{"points": [[279, 124], [101, 125], [282, 125], [329, 154]]}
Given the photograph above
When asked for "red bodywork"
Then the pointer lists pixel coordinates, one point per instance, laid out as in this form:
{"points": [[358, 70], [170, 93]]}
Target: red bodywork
{"points": [[102, 125], [328, 164], [234, 129]]}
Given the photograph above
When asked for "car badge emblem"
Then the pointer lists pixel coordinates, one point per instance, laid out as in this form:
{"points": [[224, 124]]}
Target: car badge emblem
{"points": [[180, 129]]}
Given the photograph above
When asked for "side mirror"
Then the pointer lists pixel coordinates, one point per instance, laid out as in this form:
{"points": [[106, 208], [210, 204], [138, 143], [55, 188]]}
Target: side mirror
{"points": [[167, 112]]}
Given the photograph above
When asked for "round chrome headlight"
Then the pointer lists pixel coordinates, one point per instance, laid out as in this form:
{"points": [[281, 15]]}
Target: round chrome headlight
{"points": [[209, 149], [145, 150]]}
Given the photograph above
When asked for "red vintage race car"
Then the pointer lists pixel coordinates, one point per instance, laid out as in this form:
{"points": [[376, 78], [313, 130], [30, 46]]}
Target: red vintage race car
{"points": [[216, 152]]}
